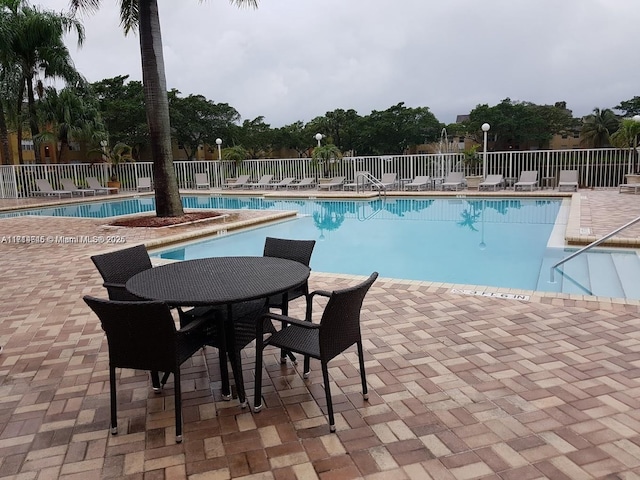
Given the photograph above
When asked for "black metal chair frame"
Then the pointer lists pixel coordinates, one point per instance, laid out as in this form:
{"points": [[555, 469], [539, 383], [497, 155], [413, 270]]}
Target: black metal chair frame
{"points": [[339, 329], [142, 335]]}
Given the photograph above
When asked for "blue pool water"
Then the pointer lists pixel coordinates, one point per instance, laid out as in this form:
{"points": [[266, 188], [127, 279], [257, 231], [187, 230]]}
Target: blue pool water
{"points": [[509, 243], [497, 242]]}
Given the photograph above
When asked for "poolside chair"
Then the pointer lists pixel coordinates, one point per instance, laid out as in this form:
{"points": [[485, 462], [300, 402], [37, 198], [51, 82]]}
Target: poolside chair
{"points": [[144, 184], [306, 182], [68, 184], [493, 182], [453, 181], [528, 179], [568, 179], [421, 182], [92, 182], [202, 181], [387, 182], [360, 181], [45, 188], [338, 330], [240, 182], [284, 183], [142, 335], [263, 182], [336, 182]]}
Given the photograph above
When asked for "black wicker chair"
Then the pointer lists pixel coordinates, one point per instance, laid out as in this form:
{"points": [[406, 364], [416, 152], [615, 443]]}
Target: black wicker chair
{"points": [[142, 335], [299, 251], [118, 267], [338, 329]]}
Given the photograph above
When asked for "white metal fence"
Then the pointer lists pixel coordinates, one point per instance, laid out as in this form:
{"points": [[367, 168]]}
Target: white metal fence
{"points": [[597, 168]]}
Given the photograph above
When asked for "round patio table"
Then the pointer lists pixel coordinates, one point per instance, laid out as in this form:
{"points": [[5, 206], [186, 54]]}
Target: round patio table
{"points": [[219, 281]]}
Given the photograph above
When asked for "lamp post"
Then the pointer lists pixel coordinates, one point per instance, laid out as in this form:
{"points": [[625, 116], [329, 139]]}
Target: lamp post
{"points": [[219, 143], [636, 118], [318, 138], [485, 129]]}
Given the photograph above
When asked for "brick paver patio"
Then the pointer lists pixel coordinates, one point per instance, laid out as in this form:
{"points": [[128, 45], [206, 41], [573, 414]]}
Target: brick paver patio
{"points": [[461, 387]]}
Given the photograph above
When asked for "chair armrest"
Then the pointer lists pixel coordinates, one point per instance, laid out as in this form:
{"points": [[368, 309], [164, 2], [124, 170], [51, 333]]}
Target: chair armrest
{"points": [[192, 325], [291, 320], [114, 285], [323, 293]]}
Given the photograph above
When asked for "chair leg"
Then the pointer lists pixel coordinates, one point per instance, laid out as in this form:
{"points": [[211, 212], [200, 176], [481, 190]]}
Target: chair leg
{"points": [[222, 358], [365, 392], [327, 393], [257, 395], [114, 401], [155, 382], [283, 353], [224, 374], [178, 402], [307, 361]]}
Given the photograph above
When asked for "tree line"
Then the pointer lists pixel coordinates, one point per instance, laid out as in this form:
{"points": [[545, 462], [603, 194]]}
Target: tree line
{"points": [[121, 111]]}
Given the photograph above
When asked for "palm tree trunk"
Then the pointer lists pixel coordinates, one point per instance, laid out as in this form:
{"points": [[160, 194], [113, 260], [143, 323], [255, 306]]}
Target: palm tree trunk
{"points": [[33, 120], [5, 153], [167, 195]]}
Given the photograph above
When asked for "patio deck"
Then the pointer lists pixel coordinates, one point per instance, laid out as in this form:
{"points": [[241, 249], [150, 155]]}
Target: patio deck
{"points": [[461, 386]]}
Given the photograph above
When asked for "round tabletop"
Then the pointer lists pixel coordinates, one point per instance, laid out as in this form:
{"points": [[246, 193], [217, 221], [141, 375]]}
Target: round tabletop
{"points": [[218, 280]]}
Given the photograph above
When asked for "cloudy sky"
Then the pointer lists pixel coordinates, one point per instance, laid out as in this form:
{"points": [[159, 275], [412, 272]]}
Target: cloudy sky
{"points": [[294, 60]]}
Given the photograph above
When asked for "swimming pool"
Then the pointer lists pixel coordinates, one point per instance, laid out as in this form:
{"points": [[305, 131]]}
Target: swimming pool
{"points": [[496, 242], [506, 242]]}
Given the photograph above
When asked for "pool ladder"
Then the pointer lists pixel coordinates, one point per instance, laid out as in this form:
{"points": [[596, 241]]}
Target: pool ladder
{"points": [[589, 247], [364, 178]]}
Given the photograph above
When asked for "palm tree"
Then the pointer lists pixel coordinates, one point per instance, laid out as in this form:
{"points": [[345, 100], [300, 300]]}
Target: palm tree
{"points": [[627, 137], [327, 156], [143, 15], [31, 43], [597, 127], [71, 117]]}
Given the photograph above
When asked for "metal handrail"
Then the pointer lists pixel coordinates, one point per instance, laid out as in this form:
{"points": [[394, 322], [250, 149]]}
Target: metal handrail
{"points": [[373, 180], [590, 246]]}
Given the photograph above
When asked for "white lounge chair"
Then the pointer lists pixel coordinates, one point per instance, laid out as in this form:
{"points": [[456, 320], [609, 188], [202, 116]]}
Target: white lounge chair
{"points": [[264, 181], [45, 188], [336, 182], [387, 182], [202, 181], [528, 179], [68, 184], [453, 181], [306, 182], [144, 184], [240, 182], [284, 183], [94, 184], [568, 179], [421, 182], [493, 182]]}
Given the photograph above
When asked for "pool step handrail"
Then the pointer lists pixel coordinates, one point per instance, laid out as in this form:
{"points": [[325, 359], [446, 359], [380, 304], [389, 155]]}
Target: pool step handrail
{"points": [[367, 177], [589, 247]]}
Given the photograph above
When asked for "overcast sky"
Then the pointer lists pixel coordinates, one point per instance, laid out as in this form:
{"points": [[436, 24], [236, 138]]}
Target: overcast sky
{"points": [[294, 60]]}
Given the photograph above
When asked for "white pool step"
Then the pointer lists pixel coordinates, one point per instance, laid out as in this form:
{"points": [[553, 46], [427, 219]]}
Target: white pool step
{"points": [[598, 273]]}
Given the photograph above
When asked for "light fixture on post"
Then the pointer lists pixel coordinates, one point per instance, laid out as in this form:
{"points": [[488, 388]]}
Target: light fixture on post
{"points": [[318, 138], [485, 130], [219, 143], [636, 118]]}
